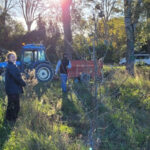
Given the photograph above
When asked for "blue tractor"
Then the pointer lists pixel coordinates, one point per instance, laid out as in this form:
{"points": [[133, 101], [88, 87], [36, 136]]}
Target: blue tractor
{"points": [[33, 56]]}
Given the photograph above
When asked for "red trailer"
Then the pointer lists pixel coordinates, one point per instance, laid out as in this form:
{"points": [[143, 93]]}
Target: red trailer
{"points": [[84, 68]]}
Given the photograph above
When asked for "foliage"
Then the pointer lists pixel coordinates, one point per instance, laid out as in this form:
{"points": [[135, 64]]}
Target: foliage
{"points": [[112, 52]]}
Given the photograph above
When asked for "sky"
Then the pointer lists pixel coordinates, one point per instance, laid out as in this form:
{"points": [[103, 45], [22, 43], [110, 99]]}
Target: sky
{"points": [[17, 15], [16, 12]]}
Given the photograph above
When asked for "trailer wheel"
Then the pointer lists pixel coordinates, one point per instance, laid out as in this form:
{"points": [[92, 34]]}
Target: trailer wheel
{"points": [[44, 73], [76, 80], [85, 78]]}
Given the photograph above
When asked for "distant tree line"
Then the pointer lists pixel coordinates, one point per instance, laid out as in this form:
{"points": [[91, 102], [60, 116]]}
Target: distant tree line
{"points": [[69, 26]]}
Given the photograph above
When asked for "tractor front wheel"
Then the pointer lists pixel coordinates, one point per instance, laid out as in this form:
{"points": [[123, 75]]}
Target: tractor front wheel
{"points": [[44, 73]]}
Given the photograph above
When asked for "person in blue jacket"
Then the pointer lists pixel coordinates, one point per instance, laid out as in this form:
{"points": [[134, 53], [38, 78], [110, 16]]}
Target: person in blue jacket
{"points": [[13, 86], [62, 66]]}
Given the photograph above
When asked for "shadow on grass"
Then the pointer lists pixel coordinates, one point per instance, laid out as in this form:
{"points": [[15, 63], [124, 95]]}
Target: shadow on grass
{"points": [[72, 115], [68, 107], [5, 131], [84, 95], [41, 88]]}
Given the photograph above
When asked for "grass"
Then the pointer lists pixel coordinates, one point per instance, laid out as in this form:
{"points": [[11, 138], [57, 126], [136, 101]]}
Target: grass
{"points": [[50, 120], [40, 125], [127, 99]]}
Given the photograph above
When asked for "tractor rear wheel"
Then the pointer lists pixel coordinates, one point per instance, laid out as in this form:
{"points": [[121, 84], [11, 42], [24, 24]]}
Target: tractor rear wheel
{"points": [[44, 73]]}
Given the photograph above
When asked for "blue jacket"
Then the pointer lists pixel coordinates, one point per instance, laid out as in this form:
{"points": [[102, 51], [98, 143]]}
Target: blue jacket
{"points": [[13, 80]]}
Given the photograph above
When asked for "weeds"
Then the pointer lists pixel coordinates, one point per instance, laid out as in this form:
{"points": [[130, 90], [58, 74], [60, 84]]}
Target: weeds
{"points": [[49, 120]]}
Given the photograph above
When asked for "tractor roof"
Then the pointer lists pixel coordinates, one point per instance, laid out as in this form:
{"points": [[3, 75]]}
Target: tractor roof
{"points": [[33, 47]]}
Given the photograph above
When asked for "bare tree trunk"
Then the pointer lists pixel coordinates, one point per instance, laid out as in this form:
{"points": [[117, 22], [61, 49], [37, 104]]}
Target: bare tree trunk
{"points": [[5, 13], [3, 19], [148, 46], [148, 40], [31, 9], [66, 18], [130, 36], [29, 26], [5, 10]]}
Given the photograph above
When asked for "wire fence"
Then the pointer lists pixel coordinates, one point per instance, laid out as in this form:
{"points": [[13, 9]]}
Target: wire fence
{"points": [[94, 137]]}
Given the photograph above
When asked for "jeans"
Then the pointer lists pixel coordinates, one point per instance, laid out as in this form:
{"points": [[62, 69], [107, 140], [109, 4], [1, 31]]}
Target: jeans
{"points": [[13, 107], [63, 78]]}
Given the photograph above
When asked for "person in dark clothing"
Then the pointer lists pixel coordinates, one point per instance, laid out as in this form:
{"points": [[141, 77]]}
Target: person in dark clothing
{"points": [[63, 65], [13, 86]]}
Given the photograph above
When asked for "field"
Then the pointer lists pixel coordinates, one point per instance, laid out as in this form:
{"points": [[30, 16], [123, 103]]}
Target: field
{"points": [[50, 120]]}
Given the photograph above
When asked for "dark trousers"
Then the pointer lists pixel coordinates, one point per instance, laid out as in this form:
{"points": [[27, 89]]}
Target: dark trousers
{"points": [[13, 107]]}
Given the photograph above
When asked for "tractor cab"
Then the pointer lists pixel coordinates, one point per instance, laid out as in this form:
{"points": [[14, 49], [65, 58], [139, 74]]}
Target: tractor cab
{"points": [[34, 57], [32, 54]]}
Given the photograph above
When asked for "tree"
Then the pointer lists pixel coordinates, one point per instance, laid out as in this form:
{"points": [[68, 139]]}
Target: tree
{"points": [[66, 19], [104, 10], [31, 10], [143, 29], [131, 19], [11, 34], [107, 9], [5, 7]]}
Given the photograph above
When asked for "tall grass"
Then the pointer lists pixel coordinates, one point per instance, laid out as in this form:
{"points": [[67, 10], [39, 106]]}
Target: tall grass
{"points": [[127, 102], [40, 125], [50, 120]]}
